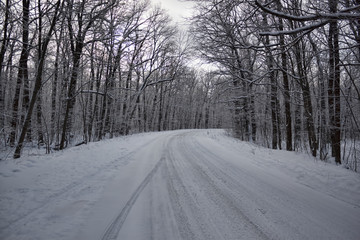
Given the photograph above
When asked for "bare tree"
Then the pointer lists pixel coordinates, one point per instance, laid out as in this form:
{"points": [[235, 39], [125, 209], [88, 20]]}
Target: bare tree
{"points": [[38, 78], [84, 14], [22, 72], [317, 20], [6, 34]]}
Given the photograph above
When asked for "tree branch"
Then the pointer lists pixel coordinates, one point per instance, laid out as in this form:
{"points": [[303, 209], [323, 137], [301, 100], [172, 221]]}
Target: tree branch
{"points": [[341, 15]]}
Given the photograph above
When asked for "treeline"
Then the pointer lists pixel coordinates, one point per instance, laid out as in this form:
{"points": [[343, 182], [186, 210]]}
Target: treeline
{"points": [[291, 69], [75, 71], [285, 73]]}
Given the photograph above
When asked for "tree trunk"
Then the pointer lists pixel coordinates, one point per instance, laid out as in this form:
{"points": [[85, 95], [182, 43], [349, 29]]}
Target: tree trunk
{"points": [[322, 136], [4, 45], [253, 116], [39, 120], [287, 99], [273, 88], [160, 113], [22, 72], [37, 85], [308, 109], [334, 85], [71, 96], [54, 94]]}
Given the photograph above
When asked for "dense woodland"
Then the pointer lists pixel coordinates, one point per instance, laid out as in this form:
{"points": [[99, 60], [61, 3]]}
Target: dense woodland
{"points": [[285, 73]]}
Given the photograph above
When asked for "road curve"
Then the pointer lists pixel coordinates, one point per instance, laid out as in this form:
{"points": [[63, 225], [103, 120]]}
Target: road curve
{"points": [[198, 188]]}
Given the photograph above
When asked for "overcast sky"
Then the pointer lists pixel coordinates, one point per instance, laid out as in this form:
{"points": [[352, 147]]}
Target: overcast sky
{"points": [[178, 10]]}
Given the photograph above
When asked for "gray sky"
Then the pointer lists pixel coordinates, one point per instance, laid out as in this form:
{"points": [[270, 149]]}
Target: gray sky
{"points": [[176, 9]]}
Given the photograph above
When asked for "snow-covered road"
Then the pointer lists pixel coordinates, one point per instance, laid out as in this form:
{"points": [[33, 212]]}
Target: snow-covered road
{"points": [[190, 184]]}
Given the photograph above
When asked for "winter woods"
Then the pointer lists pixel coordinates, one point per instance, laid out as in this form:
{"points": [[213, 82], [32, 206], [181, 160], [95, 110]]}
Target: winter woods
{"points": [[291, 69], [76, 71], [285, 73]]}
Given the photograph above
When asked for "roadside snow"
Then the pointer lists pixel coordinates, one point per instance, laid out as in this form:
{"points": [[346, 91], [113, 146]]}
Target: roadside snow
{"points": [[321, 176], [188, 184]]}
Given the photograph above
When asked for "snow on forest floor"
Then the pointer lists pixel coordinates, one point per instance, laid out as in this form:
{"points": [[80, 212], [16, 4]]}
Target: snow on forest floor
{"points": [[186, 184]]}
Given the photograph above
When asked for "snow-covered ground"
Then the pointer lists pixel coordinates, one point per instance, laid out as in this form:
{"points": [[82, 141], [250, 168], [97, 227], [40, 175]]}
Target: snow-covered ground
{"points": [[188, 184]]}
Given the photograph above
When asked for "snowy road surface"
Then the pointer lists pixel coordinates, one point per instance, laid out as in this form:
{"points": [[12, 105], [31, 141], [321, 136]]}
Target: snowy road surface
{"points": [[190, 184]]}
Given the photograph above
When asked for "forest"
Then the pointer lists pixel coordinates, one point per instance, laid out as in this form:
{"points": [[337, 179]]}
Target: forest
{"points": [[285, 73]]}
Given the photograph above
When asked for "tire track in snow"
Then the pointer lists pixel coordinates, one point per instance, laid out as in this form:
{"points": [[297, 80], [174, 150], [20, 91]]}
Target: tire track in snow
{"points": [[268, 214], [196, 189], [114, 228], [73, 187], [178, 191]]}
